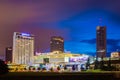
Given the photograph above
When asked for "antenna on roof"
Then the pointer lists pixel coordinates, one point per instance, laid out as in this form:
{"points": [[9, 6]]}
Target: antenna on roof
{"points": [[100, 21]]}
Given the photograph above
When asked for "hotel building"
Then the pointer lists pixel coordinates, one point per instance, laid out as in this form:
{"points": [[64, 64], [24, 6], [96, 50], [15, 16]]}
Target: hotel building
{"points": [[23, 48]]}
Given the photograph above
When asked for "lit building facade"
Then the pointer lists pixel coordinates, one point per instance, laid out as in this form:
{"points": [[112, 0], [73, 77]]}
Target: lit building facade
{"points": [[23, 48], [60, 57], [115, 55], [101, 41], [8, 54], [56, 44]]}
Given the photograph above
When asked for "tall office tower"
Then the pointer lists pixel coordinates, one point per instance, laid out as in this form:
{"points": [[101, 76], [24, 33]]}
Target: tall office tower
{"points": [[8, 54], [23, 48], [101, 41], [56, 44]]}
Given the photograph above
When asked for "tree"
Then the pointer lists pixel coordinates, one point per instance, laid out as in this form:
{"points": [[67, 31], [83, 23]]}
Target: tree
{"points": [[51, 69], [73, 67], [88, 63], [58, 68], [38, 68], [101, 64], [109, 65], [3, 67], [65, 67], [96, 64], [109, 62]]}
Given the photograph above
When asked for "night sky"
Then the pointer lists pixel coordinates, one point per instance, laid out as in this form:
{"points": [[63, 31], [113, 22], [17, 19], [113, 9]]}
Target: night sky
{"points": [[74, 20]]}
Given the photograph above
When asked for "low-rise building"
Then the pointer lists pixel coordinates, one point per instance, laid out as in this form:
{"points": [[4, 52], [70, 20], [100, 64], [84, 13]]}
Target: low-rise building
{"points": [[59, 57], [115, 54]]}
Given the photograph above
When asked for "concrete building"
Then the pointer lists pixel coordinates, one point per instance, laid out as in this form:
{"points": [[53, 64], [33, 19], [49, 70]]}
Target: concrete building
{"points": [[2, 57], [115, 55], [23, 48], [101, 41], [8, 54], [56, 44]]}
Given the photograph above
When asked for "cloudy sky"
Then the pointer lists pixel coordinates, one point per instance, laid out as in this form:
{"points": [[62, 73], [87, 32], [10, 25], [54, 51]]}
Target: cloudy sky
{"points": [[74, 20]]}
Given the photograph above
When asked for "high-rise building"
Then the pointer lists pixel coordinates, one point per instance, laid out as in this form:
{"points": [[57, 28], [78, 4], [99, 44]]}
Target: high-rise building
{"points": [[56, 44], [101, 41], [8, 54], [23, 48]]}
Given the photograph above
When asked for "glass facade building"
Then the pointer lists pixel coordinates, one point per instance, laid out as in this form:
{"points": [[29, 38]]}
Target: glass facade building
{"points": [[101, 41], [56, 44]]}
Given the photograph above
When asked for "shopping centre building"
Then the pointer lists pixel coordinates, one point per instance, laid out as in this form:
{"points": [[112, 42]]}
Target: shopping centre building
{"points": [[54, 59], [60, 58]]}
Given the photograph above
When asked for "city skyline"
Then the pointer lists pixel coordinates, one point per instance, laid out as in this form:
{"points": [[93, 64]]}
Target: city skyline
{"points": [[75, 21]]}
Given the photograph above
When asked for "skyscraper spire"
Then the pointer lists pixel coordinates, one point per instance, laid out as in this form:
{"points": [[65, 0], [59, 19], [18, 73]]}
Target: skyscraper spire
{"points": [[100, 21]]}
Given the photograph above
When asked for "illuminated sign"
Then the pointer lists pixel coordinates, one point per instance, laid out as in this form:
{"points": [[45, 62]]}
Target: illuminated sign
{"points": [[58, 39], [77, 59], [24, 34], [66, 59]]}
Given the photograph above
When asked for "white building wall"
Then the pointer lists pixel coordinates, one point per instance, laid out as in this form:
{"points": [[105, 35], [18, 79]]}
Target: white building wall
{"points": [[56, 60], [23, 48]]}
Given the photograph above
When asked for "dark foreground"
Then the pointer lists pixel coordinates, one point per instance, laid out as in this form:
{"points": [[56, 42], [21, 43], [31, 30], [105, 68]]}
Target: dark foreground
{"points": [[61, 76]]}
